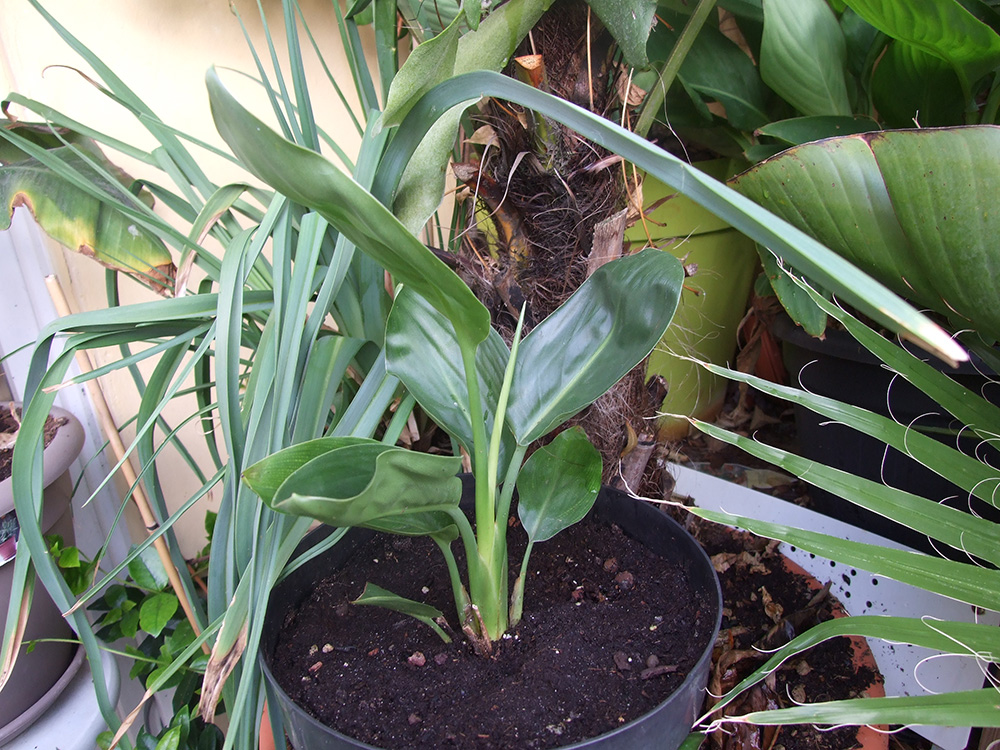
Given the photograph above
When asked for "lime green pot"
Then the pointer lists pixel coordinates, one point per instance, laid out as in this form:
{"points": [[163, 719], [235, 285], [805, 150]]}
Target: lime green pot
{"points": [[712, 304]]}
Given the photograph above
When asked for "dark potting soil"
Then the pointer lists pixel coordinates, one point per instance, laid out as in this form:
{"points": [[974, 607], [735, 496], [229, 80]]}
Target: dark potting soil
{"points": [[609, 631], [9, 426]]}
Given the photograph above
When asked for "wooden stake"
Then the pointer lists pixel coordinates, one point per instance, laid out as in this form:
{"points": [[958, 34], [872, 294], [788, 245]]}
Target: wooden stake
{"points": [[128, 473]]}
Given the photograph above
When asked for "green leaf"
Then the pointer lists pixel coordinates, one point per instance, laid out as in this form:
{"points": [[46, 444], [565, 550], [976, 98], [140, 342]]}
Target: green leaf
{"points": [[307, 178], [147, 571], [963, 582], [905, 206], [422, 351], [79, 220], [910, 86], [942, 28], [798, 130], [803, 54], [796, 301], [378, 597], [267, 475], [968, 708], [487, 47], [605, 329], [558, 485], [717, 69], [629, 22], [362, 484], [171, 739], [155, 612], [428, 64]]}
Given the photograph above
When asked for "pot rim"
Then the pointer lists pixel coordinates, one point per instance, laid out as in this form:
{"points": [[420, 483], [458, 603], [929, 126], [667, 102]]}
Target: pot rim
{"points": [[58, 455]]}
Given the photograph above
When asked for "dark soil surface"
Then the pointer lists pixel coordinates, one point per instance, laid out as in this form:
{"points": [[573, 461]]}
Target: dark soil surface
{"points": [[9, 425], [609, 631]]}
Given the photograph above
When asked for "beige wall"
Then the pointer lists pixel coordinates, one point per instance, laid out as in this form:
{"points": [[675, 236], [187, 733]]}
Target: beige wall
{"points": [[162, 51]]}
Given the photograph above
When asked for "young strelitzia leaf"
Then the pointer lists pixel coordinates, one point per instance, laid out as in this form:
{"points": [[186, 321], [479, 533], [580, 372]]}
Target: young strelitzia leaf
{"points": [[362, 484], [377, 596], [605, 329], [421, 349], [557, 486], [267, 475]]}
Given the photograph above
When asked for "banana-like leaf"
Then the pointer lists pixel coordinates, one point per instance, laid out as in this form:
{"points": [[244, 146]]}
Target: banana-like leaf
{"points": [[558, 485], [358, 485], [488, 47], [421, 349], [909, 207], [605, 329], [80, 221], [307, 178], [716, 68], [943, 28], [803, 56]]}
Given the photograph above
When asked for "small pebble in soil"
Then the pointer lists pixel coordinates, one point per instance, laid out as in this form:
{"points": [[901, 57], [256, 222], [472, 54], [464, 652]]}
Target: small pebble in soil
{"points": [[625, 580], [417, 659], [611, 565]]}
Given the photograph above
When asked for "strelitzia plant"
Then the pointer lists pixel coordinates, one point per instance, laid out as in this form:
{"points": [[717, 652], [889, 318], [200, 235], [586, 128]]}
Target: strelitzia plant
{"points": [[271, 374], [495, 403]]}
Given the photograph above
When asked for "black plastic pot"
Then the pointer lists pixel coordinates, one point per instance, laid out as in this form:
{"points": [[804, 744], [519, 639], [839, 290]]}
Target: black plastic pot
{"points": [[839, 367], [664, 728]]}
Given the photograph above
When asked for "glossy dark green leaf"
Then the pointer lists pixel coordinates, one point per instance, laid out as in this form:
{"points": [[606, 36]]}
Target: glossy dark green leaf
{"points": [[558, 485], [911, 87], [361, 484], [267, 475], [803, 56], [718, 70], [309, 179], [798, 130], [607, 327], [422, 351], [906, 206], [629, 22], [939, 27]]}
